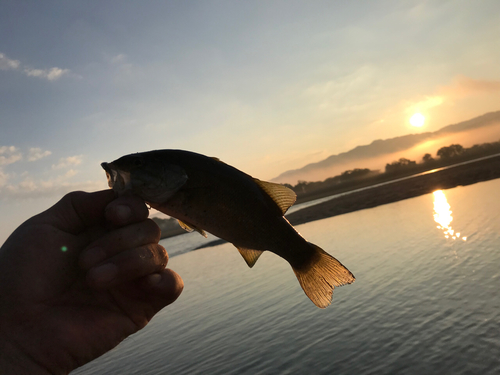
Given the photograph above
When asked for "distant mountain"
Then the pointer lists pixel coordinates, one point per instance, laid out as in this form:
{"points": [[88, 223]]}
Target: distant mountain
{"points": [[387, 146]]}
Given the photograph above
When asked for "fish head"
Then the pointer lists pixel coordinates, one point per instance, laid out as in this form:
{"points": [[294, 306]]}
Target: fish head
{"points": [[152, 178]]}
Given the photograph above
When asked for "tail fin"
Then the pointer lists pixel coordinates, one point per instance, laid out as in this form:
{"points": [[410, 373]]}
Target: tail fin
{"points": [[321, 276]]}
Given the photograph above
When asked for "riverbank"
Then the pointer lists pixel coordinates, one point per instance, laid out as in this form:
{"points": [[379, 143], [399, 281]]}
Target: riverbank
{"points": [[461, 175]]}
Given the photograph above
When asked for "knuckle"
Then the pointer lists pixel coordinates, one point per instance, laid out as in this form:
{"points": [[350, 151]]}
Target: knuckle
{"points": [[146, 252], [75, 195], [153, 229], [164, 256], [160, 255], [72, 197]]}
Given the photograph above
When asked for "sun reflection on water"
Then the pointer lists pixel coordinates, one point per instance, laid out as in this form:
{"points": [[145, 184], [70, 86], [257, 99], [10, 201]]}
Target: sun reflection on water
{"points": [[442, 216]]}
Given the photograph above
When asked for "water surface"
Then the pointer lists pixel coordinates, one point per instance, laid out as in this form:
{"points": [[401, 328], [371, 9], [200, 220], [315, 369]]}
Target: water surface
{"points": [[424, 301]]}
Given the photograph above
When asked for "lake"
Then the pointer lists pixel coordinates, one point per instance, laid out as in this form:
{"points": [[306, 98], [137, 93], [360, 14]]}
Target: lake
{"points": [[426, 299]]}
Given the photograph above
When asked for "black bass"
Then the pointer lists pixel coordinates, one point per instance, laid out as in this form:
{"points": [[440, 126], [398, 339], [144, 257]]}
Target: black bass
{"points": [[204, 193]]}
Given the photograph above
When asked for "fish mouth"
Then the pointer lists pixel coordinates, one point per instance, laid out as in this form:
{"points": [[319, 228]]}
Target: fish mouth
{"points": [[118, 180]]}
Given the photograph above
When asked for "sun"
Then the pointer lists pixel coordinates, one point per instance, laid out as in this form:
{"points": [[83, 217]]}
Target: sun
{"points": [[417, 120]]}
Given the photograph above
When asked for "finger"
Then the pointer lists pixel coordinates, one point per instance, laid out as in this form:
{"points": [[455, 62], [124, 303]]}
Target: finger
{"points": [[126, 209], [162, 288], [77, 210], [128, 265], [118, 240]]}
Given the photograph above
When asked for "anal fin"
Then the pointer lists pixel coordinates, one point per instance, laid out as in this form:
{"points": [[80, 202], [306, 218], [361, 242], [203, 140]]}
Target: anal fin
{"points": [[190, 227], [250, 255]]}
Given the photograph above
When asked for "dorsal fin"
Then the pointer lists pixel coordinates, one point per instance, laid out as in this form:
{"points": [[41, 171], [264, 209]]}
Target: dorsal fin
{"points": [[191, 227], [250, 255], [280, 194]]}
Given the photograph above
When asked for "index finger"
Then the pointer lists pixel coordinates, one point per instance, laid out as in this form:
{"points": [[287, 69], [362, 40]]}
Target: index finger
{"points": [[76, 211], [126, 209]]}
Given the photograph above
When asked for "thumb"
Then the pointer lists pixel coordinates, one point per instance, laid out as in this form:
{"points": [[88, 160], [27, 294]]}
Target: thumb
{"points": [[161, 289]]}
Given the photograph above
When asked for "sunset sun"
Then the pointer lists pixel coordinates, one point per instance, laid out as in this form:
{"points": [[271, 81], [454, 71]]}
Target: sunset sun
{"points": [[417, 120]]}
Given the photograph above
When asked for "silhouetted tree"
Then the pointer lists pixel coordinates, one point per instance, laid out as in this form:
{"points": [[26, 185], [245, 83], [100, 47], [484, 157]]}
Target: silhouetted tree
{"points": [[350, 178], [450, 151], [301, 187], [427, 158], [353, 174], [399, 165]]}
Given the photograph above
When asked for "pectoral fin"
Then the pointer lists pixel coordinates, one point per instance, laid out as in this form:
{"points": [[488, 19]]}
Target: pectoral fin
{"points": [[191, 227], [280, 194], [250, 255]]}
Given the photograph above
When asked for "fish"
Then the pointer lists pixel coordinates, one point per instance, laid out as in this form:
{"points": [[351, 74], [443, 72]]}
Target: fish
{"points": [[207, 195]]}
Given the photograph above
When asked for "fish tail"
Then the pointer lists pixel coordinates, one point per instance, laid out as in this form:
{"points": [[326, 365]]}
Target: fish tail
{"points": [[321, 275]]}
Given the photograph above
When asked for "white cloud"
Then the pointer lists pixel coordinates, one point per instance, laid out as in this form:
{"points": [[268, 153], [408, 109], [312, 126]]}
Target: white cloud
{"points": [[67, 162], [6, 63], [38, 181], [117, 59], [51, 74], [37, 153], [9, 155], [56, 187], [70, 173], [4, 149]]}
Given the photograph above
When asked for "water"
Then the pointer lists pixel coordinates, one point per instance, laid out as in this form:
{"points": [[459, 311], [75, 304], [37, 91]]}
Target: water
{"points": [[422, 303]]}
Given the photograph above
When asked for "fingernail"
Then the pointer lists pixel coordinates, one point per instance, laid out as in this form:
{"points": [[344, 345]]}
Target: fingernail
{"points": [[154, 279], [123, 213], [92, 257], [103, 274]]}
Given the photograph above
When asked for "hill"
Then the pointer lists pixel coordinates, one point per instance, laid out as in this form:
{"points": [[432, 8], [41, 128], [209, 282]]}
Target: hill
{"points": [[380, 148]]}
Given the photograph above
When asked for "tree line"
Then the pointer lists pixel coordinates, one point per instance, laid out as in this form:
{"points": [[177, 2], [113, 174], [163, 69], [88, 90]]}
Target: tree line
{"points": [[363, 176]]}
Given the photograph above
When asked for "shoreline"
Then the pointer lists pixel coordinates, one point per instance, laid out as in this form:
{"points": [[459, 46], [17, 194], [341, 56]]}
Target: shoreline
{"points": [[394, 191], [383, 178]]}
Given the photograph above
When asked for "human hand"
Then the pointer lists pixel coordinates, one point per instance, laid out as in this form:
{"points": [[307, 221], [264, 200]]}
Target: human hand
{"points": [[77, 279]]}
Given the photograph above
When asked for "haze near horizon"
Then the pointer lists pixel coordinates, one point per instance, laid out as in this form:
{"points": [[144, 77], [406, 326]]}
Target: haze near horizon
{"points": [[483, 129]]}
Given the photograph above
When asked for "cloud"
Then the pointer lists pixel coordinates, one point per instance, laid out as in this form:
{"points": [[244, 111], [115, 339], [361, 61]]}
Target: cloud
{"points": [[4, 149], [117, 59], [36, 153], [68, 162], [9, 155], [70, 173], [464, 86], [7, 64], [461, 86], [3, 178], [40, 182], [51, 74], [55, 187], [425, 104], [342, 91], [28, 186]]}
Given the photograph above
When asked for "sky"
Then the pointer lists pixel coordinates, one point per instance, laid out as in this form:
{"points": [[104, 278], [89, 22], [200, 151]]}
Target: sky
{"points": [[266, 86]]}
